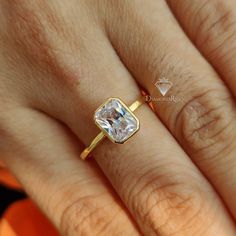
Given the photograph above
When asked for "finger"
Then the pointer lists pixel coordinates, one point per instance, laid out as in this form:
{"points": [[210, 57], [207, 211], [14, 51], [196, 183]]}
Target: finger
{"points": [[211, 26], [44, 157], [153, 181], [203, 120]]}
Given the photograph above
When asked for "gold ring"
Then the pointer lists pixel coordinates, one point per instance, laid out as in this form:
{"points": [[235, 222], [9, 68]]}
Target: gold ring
{"points": [[116, 122]]}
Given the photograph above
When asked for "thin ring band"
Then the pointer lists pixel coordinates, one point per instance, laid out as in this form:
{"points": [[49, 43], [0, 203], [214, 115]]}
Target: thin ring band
{"points": [[101, 136]]}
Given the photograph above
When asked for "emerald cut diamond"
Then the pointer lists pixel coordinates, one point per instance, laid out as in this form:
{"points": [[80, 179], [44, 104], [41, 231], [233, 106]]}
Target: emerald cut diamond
{"points": [[116, 120]]}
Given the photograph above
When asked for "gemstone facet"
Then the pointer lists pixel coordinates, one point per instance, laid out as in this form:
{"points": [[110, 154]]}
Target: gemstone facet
{"points": [[116, 120]]}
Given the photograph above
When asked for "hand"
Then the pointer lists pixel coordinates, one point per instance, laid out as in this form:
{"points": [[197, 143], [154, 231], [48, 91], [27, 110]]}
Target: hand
{"points": [[60, 60]]}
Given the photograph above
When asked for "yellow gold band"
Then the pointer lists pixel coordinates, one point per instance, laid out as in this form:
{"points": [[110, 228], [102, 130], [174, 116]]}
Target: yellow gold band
{"points": [[101, 136]]}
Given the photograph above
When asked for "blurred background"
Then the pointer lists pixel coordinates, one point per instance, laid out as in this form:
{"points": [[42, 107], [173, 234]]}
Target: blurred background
{"points": [[19, 216]]}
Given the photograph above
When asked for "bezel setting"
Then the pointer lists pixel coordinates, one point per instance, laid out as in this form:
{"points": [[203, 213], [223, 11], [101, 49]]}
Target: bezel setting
{"points": [[116, 120]]}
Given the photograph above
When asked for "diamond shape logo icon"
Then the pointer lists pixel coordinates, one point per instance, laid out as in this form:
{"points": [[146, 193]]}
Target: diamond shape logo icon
{"points": [[163, 85]]}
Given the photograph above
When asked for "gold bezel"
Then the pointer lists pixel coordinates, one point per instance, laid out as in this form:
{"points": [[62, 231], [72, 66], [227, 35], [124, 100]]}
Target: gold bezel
{"points": [[127, 108]]}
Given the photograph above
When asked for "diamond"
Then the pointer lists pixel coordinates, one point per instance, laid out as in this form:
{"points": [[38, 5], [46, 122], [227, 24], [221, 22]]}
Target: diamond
{"points": [[116, 120]]}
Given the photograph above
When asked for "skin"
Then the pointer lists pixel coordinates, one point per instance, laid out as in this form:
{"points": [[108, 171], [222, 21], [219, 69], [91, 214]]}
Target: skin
{"points": [[61, 59]]}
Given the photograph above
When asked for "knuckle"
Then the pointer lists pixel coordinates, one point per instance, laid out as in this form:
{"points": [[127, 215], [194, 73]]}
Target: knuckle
{"points": [[167, 209], [86, 216], [217, 28], [205, 122]]}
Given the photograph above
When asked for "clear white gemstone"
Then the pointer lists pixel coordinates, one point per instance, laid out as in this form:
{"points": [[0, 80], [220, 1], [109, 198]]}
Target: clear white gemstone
{"points": [[116, 120]]}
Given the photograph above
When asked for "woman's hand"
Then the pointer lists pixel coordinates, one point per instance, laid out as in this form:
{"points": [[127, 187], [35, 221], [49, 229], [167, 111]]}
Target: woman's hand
{"points": [[60, 60]]}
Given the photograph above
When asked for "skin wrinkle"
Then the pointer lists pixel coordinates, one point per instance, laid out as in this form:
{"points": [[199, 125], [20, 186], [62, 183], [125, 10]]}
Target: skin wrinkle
{"points": [[160, 202], [152, 193], [168, 200], [220, 21], [217, 154], [179, 9], [90, 217], [64, 215], [204, 131], [228, 55], [65, 223], [178, 117], [104, 228], [203, 20], [212, 28], [215, 55], [71, 193], [151, 170], [184, 226], [134, 187], [196, 216], [224, 20], [202, 128]]}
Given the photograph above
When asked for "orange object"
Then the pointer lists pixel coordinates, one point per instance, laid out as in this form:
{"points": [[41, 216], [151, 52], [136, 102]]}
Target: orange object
{"points": [[23, 218]]}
